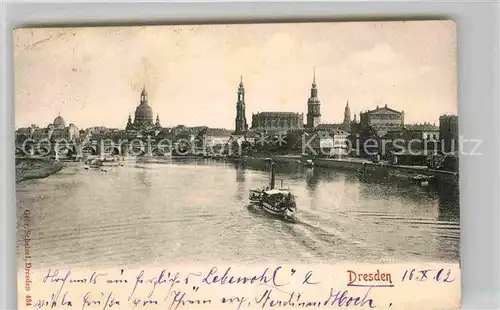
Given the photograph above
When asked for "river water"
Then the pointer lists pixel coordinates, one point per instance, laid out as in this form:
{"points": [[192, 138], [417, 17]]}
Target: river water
{"points": [[174, 211]]}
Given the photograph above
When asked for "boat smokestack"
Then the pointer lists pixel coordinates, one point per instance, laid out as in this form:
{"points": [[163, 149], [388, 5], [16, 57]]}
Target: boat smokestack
{"points": [[273, 175]]}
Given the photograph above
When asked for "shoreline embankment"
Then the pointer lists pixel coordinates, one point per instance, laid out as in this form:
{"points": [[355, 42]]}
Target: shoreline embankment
{"points": [[388, 170], [367, 168], [36, 168]]}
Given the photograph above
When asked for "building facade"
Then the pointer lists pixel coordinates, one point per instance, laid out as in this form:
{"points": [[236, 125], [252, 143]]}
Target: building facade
{"points": [[382, 120], [216, 136], [448, 133], [271, 122], [56, 131], [329, 143], [429, 135], [96, 129], [412, 141], [422, 126]]}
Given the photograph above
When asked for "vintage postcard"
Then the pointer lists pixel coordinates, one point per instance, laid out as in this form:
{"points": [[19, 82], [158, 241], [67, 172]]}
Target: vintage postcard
{"points": [[243, 166]]}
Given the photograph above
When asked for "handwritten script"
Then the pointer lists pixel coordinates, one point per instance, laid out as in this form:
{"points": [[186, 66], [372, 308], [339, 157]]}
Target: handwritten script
{"points": [[379, 286]]}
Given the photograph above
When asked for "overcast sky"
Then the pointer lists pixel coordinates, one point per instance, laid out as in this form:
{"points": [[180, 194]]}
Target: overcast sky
{"points": [[93, 76]]}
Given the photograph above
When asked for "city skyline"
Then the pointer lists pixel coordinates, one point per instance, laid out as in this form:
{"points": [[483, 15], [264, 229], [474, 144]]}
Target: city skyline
{"points": [[192, 72]]}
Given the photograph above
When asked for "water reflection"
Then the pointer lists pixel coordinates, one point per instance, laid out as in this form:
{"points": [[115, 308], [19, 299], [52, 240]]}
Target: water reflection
{"points": [[312, 179], [240, 181], [448, 234], [143, 175], [449, 199]]}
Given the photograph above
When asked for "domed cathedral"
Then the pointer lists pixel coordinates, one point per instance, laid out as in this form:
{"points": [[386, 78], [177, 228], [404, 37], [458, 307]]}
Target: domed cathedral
{"points": [[59, 122], [241, 126], [313, 106], [143, 118]]}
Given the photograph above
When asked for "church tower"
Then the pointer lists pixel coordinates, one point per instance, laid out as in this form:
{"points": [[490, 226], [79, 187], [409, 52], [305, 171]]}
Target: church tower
{"points": [[157, 123], [130, 125], [313, 106], [347, 118], [241, 120]]}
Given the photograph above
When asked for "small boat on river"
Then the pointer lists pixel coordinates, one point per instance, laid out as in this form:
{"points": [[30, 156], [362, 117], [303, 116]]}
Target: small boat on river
{"points": [[422, 180], [99, 162], [94, 163], [278, 202]]}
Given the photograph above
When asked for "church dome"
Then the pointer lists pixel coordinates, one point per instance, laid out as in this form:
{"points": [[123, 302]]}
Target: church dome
{"points": [[347, 109], [59, 122], [144, 111]]}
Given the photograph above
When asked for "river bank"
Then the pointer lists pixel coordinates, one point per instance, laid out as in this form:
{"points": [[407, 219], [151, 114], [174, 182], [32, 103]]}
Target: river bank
{"points": [[368, 168], [36, 168]]}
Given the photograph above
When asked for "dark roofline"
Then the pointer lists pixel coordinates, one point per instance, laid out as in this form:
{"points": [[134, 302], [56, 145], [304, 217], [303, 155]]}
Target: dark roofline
{"points": [[448, 116], [278, 113], [422, 129], [334, 130], [382, 108]]}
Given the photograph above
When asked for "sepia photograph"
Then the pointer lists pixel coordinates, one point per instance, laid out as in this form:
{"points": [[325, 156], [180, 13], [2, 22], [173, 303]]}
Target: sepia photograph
{"points": [[310, 143]]}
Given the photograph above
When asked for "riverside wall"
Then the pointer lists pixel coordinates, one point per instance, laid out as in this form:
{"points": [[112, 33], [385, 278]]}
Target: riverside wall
{"points": [[368, 168], [385, 170]]}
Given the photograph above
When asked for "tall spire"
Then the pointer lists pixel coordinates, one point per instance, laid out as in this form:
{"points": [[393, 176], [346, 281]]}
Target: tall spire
{"points": [[347, 118], [241, 80], [144, 95], [241, 90], [314, 90], [314, 76], [347, 113]]}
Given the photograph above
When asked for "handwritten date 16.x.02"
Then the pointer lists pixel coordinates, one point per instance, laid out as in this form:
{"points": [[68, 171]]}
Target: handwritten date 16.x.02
{"points": [[438, 275]]}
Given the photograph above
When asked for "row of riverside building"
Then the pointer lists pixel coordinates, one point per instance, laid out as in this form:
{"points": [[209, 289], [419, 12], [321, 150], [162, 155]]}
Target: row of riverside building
{"points": [[382, 123]]}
